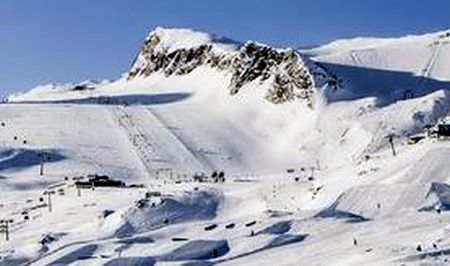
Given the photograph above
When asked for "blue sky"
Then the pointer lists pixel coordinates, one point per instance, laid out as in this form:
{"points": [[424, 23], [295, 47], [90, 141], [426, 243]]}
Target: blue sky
{"points": [[45, 41]]}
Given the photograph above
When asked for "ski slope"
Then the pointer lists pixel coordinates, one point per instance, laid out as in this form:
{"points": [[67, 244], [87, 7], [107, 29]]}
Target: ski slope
{"points": [[303, 185]]}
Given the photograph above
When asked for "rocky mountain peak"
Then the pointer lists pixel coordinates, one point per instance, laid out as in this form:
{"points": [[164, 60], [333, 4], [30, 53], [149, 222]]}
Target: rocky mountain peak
{"points": [[181, 51]]}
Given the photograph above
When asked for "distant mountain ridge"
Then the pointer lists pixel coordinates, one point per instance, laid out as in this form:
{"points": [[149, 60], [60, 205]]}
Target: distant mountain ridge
{"points": [[344, 69]]}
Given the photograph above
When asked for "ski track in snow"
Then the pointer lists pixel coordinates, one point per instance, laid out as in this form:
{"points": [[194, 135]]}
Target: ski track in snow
{"points": [[361, 206], [149, 135], [429, 68]]}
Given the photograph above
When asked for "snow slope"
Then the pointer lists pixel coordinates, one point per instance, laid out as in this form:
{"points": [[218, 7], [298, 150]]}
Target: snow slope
{"points": [[309, 179], [389, 69]]}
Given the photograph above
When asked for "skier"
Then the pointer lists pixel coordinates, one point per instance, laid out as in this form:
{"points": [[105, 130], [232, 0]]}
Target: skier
{"points": [[419, 248]]}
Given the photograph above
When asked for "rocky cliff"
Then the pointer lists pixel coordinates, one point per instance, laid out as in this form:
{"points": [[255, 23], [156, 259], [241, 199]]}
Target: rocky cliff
{"points": [[181, 51]]}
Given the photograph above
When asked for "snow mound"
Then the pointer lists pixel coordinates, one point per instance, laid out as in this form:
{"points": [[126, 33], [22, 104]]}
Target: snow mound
{"points": [[334, 211], [148, 215], [198, 250], [277, 228], [285, 239], [438, 197], [363, 203], [273, 243], [131, 261]]}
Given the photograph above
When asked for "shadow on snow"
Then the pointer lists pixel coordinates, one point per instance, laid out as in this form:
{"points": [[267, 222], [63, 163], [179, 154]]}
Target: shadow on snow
{"points": [[23, 158], [133, 99], [387, 86]]}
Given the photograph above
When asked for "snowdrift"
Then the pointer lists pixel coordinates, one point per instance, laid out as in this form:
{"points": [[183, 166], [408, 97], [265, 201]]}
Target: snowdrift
{"points": [[149, 215]]}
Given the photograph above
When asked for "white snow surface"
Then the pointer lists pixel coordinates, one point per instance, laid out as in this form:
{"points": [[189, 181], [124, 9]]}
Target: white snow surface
{"points": [[174, 39], [346, 199]]}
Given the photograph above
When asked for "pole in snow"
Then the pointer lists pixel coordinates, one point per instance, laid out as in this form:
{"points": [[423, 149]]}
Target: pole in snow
{"points": [[43, 157], [49, 199], [4, 227], [41, 168], [391, 142], [77, 187]]}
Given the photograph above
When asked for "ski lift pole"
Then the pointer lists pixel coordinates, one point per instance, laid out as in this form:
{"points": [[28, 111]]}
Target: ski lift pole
{"points": [[77, 186], [41, 164], [391, 142], [43, 158], [41, 168], [4, 226], [49, 199]]}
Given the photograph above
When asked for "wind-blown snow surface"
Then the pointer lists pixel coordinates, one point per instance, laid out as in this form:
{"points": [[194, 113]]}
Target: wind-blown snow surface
{"points": [[362, 206]]}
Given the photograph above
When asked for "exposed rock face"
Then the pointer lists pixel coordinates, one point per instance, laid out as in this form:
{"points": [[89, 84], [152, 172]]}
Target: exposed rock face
{"points": [[290, 78], [285, 69]]}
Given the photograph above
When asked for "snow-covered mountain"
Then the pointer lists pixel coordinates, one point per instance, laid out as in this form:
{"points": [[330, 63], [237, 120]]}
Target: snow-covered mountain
{"points": [[324, 154], [388, 68], [182, 51]]}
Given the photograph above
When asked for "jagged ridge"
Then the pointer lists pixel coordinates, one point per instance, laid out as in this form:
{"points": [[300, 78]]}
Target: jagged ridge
{"points": [[289, 76]]}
